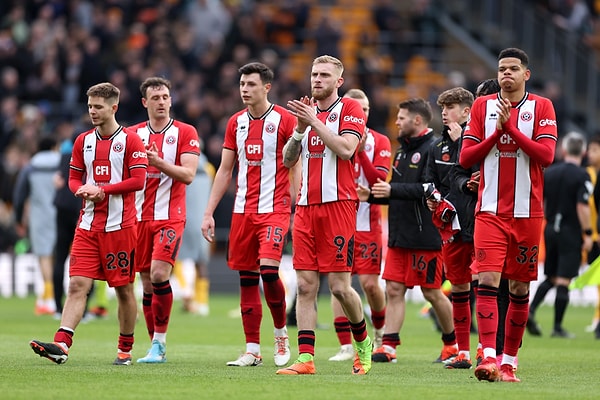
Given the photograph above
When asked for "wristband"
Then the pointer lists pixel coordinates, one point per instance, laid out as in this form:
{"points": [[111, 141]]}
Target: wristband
{"points": [[587, 232], [298, 136]]}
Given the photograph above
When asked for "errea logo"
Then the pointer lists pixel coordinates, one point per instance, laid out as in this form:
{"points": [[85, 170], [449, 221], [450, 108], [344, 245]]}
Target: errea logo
{"points": [[547, 122]]}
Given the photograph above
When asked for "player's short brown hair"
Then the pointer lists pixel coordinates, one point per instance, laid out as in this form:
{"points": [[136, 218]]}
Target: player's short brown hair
{"points": [[154, 82], [457, 95], [266, 74], [418, 106], [105, 90]]}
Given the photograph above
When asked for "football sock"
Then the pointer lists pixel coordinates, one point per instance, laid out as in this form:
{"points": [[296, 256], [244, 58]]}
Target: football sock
{"points": [[378, 318], [461, 312], [391, 340], [342, 330], [449, 339], [148, 316], [125, 342], [359, 330], [274, 294], [487, 315], [560, 305], [64, 336], [306, 343], [516, 321], [162, 301], [250, 305], [253, 348], [201, 290], [48, 291], [503, 301]]}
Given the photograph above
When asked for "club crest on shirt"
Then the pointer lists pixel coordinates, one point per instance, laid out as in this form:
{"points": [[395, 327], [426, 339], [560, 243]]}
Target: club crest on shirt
{"points": [[270, 128], [170, 139], [445, 153], [415, 158], [118, 147], [526, 116], [333, 117]]}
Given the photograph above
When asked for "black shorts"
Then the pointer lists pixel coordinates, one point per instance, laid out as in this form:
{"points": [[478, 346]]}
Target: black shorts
{"points": [[563, 253]]}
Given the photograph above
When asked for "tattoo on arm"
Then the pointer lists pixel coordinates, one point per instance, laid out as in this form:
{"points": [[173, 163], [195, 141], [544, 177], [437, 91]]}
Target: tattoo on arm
{"points": [[291, 152]]}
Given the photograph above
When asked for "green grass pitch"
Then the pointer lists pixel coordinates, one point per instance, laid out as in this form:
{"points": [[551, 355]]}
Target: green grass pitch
{"points": [[199, 347]]}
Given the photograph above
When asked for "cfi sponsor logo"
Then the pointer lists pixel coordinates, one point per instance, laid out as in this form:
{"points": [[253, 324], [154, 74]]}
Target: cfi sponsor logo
{"points": [[195, 143]]}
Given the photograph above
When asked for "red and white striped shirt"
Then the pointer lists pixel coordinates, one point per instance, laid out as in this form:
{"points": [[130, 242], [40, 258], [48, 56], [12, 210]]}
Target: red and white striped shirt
{"points": [[378, 151], [108, 160], [163, 198], [263, 183], [325, 177], [511, 183]]}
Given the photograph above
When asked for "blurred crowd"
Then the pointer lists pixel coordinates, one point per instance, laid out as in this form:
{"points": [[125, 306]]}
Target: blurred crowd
{"points": [[52, 51]]}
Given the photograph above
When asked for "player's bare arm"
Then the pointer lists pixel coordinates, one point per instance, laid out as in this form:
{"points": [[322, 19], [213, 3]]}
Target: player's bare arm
{"points": [[291, 152]]}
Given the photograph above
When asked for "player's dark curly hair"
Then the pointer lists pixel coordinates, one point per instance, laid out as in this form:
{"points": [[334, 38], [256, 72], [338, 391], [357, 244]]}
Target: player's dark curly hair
{"points": [[513, 52], [486, 87]]}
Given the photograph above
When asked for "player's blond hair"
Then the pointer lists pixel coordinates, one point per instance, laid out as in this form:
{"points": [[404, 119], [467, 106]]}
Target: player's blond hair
{"points": [[325, 59], [356, 94], [105, 90]]}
